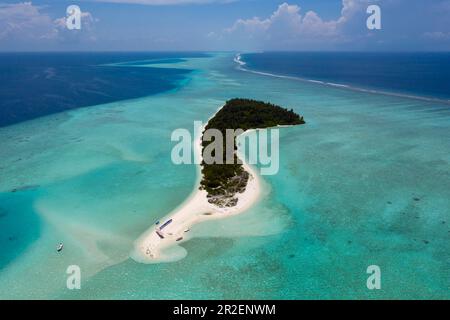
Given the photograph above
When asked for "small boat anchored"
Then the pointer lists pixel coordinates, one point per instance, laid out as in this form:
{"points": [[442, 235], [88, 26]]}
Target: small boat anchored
{"points": [[59, 247]]}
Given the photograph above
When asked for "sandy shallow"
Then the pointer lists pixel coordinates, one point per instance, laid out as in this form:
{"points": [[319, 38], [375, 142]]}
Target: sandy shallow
{"points": [[159, 244]]}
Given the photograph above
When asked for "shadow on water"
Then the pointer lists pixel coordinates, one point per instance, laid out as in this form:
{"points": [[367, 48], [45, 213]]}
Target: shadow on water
{"points": [[19, 224]]}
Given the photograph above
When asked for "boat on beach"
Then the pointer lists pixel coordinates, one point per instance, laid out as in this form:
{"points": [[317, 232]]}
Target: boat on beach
{"points": [[165, 224]]}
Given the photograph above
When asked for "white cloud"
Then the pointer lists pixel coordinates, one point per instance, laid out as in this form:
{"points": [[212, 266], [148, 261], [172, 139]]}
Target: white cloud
{"points": [[289, 27], [286, 24], [25, 22], [349, 7], [87, 21], [75, 36], [437, 35]]}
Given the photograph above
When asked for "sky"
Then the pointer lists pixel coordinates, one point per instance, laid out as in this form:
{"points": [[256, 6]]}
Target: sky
{"points": [[222, 25]]}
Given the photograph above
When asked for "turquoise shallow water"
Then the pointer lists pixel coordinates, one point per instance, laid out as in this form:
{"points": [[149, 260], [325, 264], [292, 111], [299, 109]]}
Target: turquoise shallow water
{"points": [[366, 181]]}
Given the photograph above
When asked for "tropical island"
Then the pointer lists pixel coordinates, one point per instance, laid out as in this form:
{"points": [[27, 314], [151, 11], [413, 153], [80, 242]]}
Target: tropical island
{"points": [[225, 189], [224, 181]]}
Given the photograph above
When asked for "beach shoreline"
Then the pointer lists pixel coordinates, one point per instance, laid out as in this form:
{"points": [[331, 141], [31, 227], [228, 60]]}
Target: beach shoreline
{"points": [[160, 243]]}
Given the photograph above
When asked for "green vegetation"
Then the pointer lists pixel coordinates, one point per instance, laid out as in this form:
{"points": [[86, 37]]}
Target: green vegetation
{"points": [[224, 181]]}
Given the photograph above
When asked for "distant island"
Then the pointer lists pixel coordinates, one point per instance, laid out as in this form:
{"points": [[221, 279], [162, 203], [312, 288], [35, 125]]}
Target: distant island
{"points": [[224, 181]]}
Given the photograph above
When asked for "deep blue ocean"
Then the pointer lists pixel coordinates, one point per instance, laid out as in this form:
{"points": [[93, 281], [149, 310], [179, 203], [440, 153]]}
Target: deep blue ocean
{"points": [[37, 84], [419, 74]]}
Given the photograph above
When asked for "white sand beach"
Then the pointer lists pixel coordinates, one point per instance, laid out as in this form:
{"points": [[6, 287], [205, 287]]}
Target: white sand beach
{"points": [[159, 243]]}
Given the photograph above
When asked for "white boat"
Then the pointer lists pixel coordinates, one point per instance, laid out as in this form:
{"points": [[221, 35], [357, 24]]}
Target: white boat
{"points": [[60, 247]]}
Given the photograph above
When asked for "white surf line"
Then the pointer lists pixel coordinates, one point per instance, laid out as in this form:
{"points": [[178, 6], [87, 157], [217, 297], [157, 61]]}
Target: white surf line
{"points": [[241, 64], [159, 243]]}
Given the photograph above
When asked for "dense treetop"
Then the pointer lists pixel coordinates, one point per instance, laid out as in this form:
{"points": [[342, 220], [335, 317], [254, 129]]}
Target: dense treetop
{"points": [[251, 114], [224, 181]]}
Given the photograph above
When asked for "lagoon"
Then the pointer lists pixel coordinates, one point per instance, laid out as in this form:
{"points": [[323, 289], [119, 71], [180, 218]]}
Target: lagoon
{"points": [[344, 199]]}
